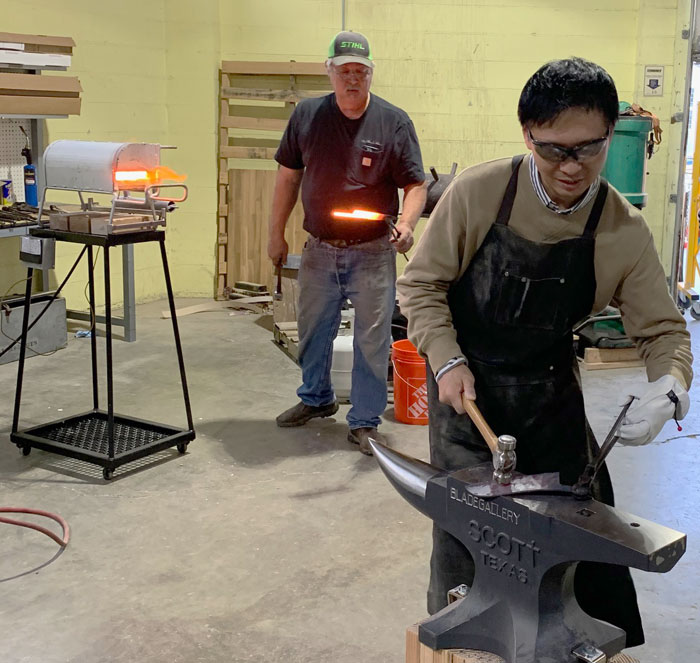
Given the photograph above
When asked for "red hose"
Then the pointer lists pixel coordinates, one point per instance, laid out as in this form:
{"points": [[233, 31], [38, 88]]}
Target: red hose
{"points": [[22, 523]]}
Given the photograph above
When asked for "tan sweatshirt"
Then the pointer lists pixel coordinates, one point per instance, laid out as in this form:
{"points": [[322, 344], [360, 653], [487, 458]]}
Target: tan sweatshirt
{"points": [[628, 271]]}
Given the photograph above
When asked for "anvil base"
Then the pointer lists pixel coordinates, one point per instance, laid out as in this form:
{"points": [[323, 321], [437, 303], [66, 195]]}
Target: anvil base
{"points": [[419, 653], [519, 631]]}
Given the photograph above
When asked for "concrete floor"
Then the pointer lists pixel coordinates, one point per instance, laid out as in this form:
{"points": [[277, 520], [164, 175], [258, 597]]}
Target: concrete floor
{"points": [[261, 544]]}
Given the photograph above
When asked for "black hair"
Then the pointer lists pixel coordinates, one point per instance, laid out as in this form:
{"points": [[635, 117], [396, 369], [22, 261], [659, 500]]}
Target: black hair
{"points": [[563, 84]]}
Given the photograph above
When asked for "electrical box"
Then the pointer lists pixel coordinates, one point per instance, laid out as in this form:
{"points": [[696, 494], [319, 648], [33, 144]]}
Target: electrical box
{"points": [[37, 253], [47, 335]]}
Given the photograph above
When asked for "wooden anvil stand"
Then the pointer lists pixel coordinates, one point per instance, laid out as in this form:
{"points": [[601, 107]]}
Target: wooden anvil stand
{"points": [[416, 652]]}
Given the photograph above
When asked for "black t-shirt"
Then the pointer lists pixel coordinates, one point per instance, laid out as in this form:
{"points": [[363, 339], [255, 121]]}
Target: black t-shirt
{"points": [[350, 164]]}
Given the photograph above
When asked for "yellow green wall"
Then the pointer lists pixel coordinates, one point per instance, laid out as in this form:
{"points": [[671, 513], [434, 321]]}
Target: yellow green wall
{"points": [[149, 73], [120, 60], [458, 67]]}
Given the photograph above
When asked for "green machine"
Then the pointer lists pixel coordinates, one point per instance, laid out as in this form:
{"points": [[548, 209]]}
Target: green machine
{"points": [[625, 167]]}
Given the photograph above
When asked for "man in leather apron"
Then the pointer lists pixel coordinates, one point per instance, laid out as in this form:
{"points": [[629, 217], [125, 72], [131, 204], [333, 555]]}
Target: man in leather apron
{"points": [[515, 254]]}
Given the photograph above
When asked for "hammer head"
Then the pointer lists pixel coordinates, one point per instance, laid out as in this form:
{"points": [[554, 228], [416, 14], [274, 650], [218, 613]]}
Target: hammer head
{"points": [[504, 460]]}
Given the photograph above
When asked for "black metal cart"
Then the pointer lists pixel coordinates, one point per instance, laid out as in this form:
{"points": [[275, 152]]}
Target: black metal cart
{"points": [[97, 436]]}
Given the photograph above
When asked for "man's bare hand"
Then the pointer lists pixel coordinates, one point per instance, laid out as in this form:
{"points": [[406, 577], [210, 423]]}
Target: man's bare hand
{"points": [[453, 384], [405, 239], [277, 250]]}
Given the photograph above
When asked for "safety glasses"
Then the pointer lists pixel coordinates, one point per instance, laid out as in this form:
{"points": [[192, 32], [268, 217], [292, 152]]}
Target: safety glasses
{"points": [[558, 153], [363, 73]]}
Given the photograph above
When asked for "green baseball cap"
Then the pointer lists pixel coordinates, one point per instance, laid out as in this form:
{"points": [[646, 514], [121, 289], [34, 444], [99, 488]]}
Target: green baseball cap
{"points": [[350, 47]]}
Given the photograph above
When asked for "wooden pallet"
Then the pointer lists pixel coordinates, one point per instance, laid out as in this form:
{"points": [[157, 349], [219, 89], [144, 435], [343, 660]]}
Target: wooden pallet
{"points": [[255, 102], [286, 337], [598, 358], [285, 309]]}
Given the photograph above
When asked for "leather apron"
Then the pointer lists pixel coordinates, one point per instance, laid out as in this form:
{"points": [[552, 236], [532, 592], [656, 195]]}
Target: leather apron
{"points": [[513, 310]]}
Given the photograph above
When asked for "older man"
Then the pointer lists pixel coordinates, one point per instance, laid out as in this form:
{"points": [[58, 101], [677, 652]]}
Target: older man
{"points": [[515, 253], [353, 150]]}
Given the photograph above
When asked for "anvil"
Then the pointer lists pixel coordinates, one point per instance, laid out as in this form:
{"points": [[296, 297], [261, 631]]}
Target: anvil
{"points": [[521, 604]]}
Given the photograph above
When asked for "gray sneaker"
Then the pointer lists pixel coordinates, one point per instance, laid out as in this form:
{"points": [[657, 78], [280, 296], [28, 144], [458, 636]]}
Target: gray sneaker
{"points": [[361, 436], [302, 413]]}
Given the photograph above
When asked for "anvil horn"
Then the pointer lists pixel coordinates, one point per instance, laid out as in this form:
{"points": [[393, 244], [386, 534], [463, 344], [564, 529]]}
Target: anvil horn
{"points": [[408, 475]]}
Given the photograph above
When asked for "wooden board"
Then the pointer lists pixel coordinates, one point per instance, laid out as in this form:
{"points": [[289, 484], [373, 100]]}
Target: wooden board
{"points": [[284, 68], [39, 86], [255, 304], [40, 43], [267, 94], [249, 205], [247, 152], [11, 104], [599, 358]]}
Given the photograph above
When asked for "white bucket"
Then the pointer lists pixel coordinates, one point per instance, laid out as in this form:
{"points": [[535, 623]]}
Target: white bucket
{"points": [[341, 367]]}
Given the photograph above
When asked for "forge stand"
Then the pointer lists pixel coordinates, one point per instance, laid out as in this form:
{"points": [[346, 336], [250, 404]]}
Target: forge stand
{"points": [[101, 436]]}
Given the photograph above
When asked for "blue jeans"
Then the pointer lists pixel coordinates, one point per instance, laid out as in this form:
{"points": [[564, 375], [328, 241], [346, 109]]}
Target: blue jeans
{"points": [[366, 275]]}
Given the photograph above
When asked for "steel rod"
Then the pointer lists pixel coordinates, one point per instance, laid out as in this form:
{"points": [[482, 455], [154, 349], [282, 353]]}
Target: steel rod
{"points": [[108, 336], [176, 333], [93, 329], [22, 348]]}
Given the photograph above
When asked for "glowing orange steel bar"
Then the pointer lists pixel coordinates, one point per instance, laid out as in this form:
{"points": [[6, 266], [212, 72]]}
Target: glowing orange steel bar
{"points": [[360, 215]]}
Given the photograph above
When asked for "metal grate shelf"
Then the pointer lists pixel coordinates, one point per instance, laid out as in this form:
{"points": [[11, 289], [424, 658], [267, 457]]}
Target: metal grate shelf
{"points": [[86, 436], [91, 433]]}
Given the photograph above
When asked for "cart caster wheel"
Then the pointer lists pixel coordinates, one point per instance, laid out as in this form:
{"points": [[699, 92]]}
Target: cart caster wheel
{"points": [[684, 302], [25, 449], [107, 474], [695, 311], [182, 447]]}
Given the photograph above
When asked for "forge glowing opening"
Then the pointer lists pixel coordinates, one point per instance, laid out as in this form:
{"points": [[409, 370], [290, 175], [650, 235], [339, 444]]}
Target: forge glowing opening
{"points": [[131, 176], [142, 177]]}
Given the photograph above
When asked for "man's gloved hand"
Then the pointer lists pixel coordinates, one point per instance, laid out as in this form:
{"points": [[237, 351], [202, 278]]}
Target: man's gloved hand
{"points": [[652, 407]]}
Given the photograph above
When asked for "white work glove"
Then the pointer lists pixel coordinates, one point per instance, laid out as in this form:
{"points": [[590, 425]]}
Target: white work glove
{"points": [[651, 409]]}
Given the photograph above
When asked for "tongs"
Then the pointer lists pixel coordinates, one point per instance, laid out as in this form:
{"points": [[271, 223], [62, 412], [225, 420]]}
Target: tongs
{"points": [[582, 488]]}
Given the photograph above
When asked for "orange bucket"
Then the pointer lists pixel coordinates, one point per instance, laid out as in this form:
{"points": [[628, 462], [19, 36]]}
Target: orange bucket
{"points": [[410, 388]]}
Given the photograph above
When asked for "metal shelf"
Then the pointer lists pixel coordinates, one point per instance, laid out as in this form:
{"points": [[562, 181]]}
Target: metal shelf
{"points": [[17, 231], [32, 117]]}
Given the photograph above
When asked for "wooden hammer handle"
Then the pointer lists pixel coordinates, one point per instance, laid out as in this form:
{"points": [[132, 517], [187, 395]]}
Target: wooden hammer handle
{"points": [[479, 421]]}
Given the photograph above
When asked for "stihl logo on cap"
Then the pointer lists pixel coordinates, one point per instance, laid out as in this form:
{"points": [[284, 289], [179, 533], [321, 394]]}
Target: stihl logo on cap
{"points": [[352, 44]]}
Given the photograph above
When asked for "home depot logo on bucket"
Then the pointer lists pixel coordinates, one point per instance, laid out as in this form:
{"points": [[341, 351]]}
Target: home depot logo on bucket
{"points": [[418, 408], [410, 388]]}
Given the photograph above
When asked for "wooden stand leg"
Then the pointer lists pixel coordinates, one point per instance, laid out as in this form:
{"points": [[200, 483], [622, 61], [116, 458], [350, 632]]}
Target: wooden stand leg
{"points": [[419, 653]]}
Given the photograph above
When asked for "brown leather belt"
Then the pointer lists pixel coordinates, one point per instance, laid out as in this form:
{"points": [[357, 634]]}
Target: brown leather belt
{"points": [[344, 243]]}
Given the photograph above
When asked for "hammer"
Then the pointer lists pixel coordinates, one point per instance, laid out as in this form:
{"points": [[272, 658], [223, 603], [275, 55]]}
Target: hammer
{"points": [[502, 447], [278, 287]]}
